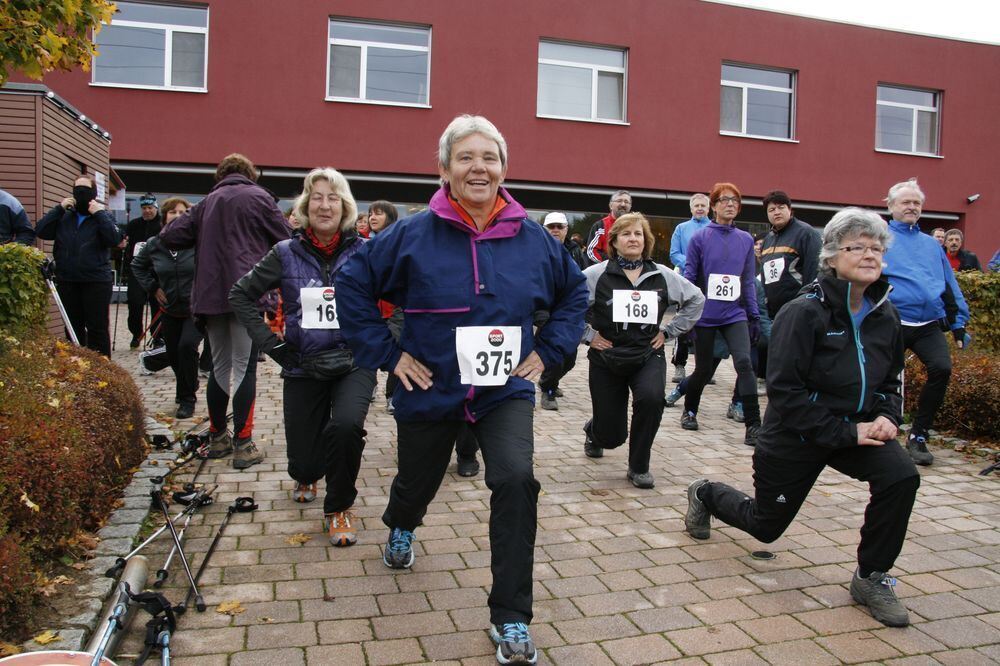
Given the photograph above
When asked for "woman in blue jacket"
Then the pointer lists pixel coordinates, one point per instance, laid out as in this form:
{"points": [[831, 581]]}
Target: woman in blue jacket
{"points": [[326, 396], [469, 273], [84, 234]]}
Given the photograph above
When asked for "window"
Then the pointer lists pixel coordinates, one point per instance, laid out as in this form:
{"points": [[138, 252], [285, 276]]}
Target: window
{"points": [[757, 102], [906, 120], [581, 82], [373, 62], [154, 46]]}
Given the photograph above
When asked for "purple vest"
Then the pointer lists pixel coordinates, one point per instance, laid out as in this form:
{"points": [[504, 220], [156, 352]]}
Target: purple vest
{"points": [[300, 267]]}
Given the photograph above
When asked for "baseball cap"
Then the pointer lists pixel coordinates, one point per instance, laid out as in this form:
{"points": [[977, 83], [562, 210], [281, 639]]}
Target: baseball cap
{"points": [[147, 200], [555, 218]]}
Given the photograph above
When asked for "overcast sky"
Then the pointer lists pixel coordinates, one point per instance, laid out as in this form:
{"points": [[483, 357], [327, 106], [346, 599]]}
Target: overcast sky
{"points": [[976, 20]]}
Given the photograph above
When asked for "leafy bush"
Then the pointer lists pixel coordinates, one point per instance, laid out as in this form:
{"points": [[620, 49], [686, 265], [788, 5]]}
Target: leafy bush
{"points": [[23, 294], [71, 432], [969, 408], [982, 292]]}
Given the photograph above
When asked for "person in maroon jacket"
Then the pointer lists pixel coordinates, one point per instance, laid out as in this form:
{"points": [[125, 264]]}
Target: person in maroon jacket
{"points": [[231, 230]]}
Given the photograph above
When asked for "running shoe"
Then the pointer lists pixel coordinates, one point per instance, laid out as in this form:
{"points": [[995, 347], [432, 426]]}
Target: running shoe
{"points": [[514, 644], [304, 492], [339, 527], [876, 592], [916, 445], [735, 412], [697, 520], [398, 553], [689, 421]]}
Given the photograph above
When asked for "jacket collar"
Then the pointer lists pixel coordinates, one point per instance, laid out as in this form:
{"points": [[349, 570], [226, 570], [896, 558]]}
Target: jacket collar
{"points": [[506, 225], [904, 227], [233, 179], [831, 289]]}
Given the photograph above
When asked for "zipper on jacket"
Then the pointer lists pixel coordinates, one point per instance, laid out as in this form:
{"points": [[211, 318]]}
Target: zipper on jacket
{"points": [[861, 353]]}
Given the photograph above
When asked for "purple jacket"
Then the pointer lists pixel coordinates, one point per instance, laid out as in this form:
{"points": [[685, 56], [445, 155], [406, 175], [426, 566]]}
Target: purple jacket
{"points": [[230, 230], [726, 250]]}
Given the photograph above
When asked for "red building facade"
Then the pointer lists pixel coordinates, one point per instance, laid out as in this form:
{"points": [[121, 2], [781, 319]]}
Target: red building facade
{"points": [[268, 91]]}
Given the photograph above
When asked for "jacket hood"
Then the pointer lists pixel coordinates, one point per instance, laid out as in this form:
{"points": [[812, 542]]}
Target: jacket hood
{"points": [[506, 225], [232, 179]]}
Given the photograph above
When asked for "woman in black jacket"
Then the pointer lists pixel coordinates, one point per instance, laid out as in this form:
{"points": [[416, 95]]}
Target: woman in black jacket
{"points": [[84, 234], [167, 276], [629, 295], [834, 399]]}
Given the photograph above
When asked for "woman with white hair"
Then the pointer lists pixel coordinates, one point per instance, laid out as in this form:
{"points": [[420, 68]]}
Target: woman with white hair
{"points": [[326, 396], [469, 273], [834, 400]]}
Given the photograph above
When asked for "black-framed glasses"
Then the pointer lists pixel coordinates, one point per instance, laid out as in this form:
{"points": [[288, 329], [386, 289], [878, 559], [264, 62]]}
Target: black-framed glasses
{"points": [[859, 250], [555, 226]]}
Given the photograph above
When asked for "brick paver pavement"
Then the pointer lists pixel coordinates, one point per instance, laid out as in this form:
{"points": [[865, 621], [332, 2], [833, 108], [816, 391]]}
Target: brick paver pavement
{"points": [[617, 580]]}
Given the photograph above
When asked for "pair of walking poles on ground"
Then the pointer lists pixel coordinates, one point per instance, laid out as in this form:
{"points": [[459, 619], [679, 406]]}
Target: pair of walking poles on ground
{"points": [[133, 570]]}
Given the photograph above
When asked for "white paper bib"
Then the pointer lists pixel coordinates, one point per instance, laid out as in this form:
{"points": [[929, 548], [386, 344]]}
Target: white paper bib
{"points": [[487, 354], [319, 307], [723, 287], [773, 270], [629, 306]]}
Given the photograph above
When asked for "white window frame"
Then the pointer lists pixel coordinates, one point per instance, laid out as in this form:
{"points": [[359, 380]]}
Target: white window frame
{"points": [[759, 86], [915, 109], [594, 70], [331, 41], [168, 54]]}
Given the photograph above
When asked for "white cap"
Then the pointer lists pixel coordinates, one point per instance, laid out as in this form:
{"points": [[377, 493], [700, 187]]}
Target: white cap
{"points": [[555, 218]]}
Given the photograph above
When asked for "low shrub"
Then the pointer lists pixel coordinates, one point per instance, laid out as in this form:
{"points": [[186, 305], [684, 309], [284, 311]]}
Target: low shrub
{"points": [[982, 293], [16, 576], [970, 405], [71, 432], [23, 294]]}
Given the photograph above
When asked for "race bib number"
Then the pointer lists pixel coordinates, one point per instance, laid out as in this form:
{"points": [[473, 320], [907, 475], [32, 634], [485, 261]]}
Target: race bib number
{"points": [[487, 354], [633, 307], [319, 307], [723, 287], [773, 270]]}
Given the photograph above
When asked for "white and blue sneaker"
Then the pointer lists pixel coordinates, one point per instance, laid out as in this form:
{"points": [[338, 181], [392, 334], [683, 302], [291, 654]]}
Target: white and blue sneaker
{"points": [[514, 644], [398, 553]]}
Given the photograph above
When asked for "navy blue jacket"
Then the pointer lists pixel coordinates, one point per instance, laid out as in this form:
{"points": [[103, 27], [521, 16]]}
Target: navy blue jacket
{"points": [[444, 274], [82, 252]]}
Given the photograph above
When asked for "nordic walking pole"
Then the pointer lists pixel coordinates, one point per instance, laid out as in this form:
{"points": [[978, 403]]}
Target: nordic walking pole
{"points": [[239, 505], [157, 495]]}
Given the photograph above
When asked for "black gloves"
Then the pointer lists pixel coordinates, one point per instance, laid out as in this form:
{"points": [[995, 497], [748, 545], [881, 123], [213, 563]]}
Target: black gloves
{"points": [[285, 354]]}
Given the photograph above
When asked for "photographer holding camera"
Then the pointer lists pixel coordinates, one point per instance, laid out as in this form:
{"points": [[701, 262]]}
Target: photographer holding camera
{"points": [[84, 234]]}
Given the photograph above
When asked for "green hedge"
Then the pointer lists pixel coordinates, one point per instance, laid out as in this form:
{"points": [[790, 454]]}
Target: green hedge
{"points": [[982, 293], [23, 293]]}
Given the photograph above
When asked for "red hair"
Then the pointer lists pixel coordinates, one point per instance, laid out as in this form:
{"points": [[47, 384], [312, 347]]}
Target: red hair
{"points": [[718, 189]]}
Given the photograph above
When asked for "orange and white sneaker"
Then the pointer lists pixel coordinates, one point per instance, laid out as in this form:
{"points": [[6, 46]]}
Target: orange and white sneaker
{"points": [[304, 492], [339, 527]]}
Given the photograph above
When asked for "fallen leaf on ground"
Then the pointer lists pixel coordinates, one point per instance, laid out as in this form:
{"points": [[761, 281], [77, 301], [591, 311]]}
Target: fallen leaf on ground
{"points": [[297, 539], [27, 502], [7, 650], [46, 637], [230, 608], [80, 566], [329, 597], [599, 493], [267, 620]]}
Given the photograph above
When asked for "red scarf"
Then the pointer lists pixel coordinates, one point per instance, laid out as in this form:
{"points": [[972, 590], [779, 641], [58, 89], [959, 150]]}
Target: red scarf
{"points": [[326, 250]]}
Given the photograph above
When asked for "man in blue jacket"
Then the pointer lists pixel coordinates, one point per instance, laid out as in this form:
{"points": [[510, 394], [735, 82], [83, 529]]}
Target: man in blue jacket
{"points": [[14, 224], [469, 273], [678, 253], [929, 301]]}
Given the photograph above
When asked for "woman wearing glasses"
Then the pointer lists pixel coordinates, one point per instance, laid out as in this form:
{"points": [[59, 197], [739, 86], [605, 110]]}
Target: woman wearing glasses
{"points": [[834, 400], [720, 261]]}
